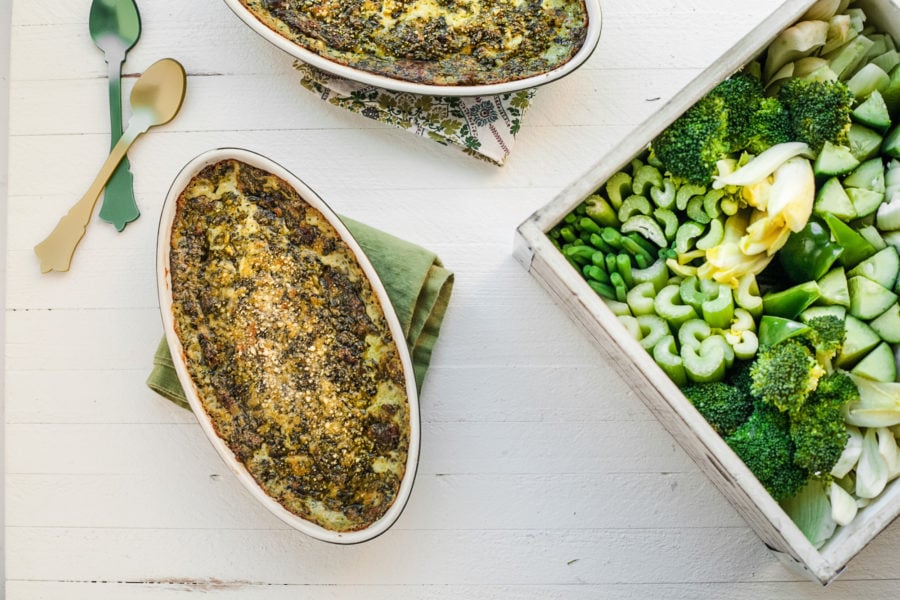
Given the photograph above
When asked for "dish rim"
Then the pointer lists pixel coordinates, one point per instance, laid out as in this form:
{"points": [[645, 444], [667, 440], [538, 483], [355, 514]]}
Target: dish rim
{"points": [[164, 291], [591, 39]]}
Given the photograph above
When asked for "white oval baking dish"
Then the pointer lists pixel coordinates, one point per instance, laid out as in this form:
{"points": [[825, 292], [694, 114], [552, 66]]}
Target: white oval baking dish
{"points": [[592, 37], [164, 287]]}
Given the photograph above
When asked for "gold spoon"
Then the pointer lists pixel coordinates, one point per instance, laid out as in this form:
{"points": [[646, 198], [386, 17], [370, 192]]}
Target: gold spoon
{"points": [[155, 100]]}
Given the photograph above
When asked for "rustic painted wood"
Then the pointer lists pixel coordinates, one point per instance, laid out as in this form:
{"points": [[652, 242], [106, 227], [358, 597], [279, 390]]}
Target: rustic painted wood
{"points": [[543, 474]]}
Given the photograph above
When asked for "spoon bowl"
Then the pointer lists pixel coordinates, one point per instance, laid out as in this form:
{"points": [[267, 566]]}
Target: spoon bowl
{"points": [[156, 98], [159, 92], [114, 24]]}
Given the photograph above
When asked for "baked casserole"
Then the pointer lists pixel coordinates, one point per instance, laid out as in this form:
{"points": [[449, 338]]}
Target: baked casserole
{"points": [[434, 42], [288, 347]]}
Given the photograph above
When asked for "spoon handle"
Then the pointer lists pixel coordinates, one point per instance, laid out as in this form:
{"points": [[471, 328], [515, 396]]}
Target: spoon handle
{"points": [[55, 252], [119, 206]]}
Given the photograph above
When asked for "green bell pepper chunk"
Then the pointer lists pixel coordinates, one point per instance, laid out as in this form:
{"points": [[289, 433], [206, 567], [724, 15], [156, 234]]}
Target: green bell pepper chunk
{"points": [[856, 247], [774, 329], [666, 356], [791, 302], [809, 253]]}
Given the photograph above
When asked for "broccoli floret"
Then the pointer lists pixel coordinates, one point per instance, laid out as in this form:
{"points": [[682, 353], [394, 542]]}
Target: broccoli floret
{"points": [[769, 125], [741, 95], [690, 147], [826, 338], [785, 374], [819, 111], [738, 376], [764, 444], [818, 429], [725, 407]]}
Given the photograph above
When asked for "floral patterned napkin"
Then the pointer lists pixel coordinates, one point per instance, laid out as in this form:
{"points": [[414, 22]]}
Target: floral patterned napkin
{"points": [[482, 126]]}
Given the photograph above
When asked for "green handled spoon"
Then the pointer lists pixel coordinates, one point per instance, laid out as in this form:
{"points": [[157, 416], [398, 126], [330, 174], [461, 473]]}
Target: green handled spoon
{"points": [[115, 27], [155, 100]]}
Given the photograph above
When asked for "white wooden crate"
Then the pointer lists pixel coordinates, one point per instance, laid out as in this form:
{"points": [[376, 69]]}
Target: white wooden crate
{"points": [[544, 261]]}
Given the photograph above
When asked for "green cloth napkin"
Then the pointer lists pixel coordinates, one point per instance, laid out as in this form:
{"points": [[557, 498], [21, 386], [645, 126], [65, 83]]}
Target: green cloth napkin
{"points": [[481, 126], [416, 282]]}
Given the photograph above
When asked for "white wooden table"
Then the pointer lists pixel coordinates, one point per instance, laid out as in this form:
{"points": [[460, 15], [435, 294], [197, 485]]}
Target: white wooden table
{"points": [[541, 475]]}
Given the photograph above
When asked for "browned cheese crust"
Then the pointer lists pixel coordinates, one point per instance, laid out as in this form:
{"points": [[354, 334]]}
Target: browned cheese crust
{"points": [[288, 347], [438, 42]]}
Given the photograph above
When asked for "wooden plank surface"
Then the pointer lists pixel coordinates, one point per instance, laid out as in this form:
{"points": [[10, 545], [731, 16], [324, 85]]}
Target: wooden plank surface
{"points": [[542, 474]]}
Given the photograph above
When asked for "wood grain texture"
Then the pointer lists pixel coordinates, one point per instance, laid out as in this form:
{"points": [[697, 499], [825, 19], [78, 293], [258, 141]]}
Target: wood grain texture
{"points": [[542, 474]]}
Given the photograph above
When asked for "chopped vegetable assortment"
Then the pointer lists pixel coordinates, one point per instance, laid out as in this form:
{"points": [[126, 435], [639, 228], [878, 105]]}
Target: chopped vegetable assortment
{"points": [[753, 250]]}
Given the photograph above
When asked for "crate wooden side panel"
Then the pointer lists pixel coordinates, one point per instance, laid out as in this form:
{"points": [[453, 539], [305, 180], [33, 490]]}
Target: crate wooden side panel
{"points": [[728, 473]]}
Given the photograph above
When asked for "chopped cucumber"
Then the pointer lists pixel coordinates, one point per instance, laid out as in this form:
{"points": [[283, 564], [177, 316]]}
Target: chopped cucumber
{"points": [[867, 298], [858, 340], [888, 216], [865, 202], [834, 160], [892, 238], [887, 61], [873, 236], [814, 312], [891, 93], [831, 198], [863, 142], [870, 78], [878, 364], [868, 175], [833, 288], [873, 112], [891, 144], [887, 324], [846, 59], [882, 267]]}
